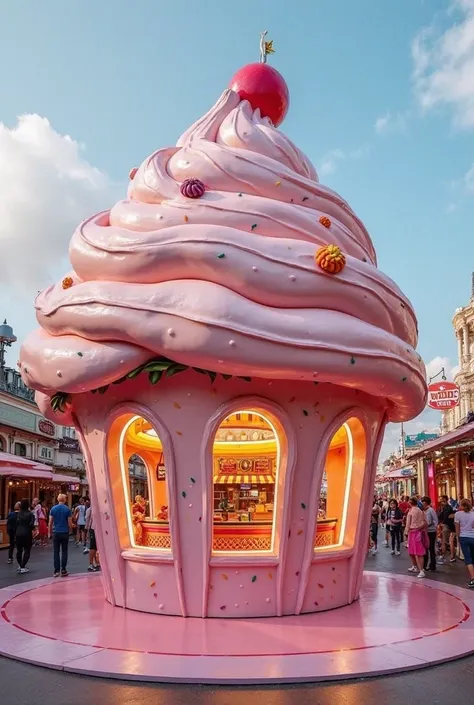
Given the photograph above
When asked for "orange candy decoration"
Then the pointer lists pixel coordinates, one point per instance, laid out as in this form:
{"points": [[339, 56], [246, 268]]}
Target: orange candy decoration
{"points": [[330, 259], [324, 220], [67, 283]]}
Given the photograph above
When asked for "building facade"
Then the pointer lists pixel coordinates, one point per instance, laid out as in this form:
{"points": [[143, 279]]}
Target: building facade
{"points": [[463, 323], [25, 432]]}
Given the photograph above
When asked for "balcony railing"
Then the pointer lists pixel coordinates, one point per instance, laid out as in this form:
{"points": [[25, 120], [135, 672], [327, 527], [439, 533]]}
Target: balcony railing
{"points": [[11, 383]]}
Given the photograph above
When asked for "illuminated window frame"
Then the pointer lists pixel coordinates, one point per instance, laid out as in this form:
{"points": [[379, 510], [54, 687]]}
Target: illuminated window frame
{"points": [[263, 417], [125, 483], [347, 489]]}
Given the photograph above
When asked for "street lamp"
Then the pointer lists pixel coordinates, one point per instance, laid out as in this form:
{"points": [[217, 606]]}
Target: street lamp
{"points": [[7, 338]]}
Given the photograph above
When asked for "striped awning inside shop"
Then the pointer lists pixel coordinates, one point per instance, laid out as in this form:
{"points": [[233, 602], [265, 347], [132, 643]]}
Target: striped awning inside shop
{"points": [[223, 479]]}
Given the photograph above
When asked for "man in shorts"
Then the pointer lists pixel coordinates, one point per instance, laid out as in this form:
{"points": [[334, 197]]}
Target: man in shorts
{"points": [[447, 530], [94, 563]]}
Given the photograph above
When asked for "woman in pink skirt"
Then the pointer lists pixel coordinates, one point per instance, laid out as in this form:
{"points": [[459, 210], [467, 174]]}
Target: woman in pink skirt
{"points": [[416, 532]]}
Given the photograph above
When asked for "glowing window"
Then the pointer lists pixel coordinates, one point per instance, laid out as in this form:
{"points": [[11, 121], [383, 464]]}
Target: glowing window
{"points": [[341, 487], [139, 482], [246, 467]]}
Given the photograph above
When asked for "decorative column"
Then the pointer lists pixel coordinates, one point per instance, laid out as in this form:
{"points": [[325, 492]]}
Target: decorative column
{"points": [[460, 358], [465, 335], [458, 474]]}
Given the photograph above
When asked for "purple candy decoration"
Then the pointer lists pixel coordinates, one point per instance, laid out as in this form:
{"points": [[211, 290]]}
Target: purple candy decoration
{"points": [[192, 188]]}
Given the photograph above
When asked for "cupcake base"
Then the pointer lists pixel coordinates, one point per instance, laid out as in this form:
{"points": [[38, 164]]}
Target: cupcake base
{"points": [[193, 575]]}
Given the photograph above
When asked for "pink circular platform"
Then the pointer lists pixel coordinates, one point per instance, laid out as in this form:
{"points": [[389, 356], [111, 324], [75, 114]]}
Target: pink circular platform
{"points": [[399, 623]]}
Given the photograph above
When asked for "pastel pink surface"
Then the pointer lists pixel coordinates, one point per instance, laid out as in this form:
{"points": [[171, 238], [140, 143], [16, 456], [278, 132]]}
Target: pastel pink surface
{"points": [[229, 277], [398, 623]]}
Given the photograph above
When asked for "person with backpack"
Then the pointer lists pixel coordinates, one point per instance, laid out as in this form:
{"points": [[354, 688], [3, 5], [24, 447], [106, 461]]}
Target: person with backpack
{"points": [[12, 518], [25, 528]]}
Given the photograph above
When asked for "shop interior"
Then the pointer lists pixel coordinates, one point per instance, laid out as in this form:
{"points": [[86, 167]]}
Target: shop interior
{"points": [[246, 461]]}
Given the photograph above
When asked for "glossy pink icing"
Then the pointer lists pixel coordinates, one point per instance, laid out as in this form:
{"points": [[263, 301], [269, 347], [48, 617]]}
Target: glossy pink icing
{"points": [[160, 274]]}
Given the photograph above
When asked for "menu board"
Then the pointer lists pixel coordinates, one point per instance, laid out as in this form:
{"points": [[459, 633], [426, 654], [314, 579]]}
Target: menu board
{"points": [[228, 466]]}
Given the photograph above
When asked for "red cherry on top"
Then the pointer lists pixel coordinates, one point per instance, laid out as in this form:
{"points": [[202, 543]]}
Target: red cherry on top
{"points": [[264, 88]]}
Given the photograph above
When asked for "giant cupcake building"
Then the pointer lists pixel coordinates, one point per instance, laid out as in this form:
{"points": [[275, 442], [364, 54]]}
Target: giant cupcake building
{"points": [[230, 354]]}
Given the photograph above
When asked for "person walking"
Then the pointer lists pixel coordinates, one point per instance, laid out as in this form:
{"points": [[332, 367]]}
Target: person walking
{"points": [[60, 526], [25, 527], [432, 531], [464, 523], [394, 524], [12, 519], [417, 542]]}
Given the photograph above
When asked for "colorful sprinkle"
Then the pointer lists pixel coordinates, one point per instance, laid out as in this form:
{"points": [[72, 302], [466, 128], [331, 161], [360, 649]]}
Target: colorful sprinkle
{"points": [[192, 480], [155, 594], [132, 172], [303, 505], [324, 220], [298, 533], [221, 256], [179, 433], [320, 586], [277, 183], [305, 412], [297, 573], [80, 354], [67, 282], [404, 379], [268, 600], [353, 361], [183, 494], [254, 578], [253, 226], [186, 219], [192, 188], [153, 583], [305, 198], [223, 607], [240, 195], [176, 405]]}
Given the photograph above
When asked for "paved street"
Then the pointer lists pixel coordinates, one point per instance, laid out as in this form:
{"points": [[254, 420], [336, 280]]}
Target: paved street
{"points": [[21, 684]]}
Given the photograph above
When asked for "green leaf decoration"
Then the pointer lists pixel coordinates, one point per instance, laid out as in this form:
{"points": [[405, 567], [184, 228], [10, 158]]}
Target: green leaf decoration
{"points": [[198, 369], [174, 369], [119, 381], [157, 365], [212, 375], [155, 376], [246, 379], [134, 373], [102, 390], [59, 401], [227, 376]]}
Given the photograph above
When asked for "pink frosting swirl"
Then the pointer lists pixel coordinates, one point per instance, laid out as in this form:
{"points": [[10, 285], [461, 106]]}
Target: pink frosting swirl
{"points": [[227, 282]]}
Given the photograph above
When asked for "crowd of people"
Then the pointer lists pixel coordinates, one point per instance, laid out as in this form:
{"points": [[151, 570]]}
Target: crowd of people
{"points": [[431, 537], [30, 524]]}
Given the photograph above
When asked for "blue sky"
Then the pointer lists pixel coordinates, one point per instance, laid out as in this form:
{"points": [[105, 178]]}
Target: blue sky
{"points": [[125, 78]]}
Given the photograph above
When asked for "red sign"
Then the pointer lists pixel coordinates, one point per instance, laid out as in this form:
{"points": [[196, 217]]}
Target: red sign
{"points": [[46, 427], [443, 395], [228, 466]]}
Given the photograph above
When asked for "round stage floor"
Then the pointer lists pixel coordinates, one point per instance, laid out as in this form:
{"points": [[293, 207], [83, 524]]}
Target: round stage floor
{"points": [[399, 623]]}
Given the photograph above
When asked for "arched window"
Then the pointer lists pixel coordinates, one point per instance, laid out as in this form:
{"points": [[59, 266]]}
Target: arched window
{"points": [[140, 465], [341, 487], [2, 445], [247, 459]]}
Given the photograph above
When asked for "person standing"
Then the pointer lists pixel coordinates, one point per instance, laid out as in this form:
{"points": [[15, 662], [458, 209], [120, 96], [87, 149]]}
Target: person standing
{"points": [[394, 523], [374, 526], [40, 523], [94, 563], [80, 520], [60, 525], [464, 523], [12, 519], [416, 532], [432, 531], [25, 526], [448, 532]]}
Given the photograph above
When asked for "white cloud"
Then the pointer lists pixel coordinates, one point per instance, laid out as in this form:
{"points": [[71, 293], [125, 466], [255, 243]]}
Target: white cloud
{"points": [[46, 188], [331, 160], [391, 122], [444, 64]]}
